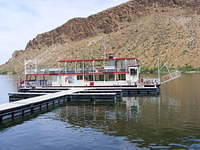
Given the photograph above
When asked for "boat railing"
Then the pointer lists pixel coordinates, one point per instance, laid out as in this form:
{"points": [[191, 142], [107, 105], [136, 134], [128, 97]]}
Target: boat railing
{"points": [[62, 71], [37, 83], [151, 81], [171, 76]]}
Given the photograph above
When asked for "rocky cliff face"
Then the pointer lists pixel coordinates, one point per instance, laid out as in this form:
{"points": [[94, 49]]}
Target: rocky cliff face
{"points": [[147, 29]]}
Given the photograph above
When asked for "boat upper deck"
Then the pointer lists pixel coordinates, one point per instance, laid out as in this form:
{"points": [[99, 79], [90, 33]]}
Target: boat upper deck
{"points": [[90, 60], [86, 66]]}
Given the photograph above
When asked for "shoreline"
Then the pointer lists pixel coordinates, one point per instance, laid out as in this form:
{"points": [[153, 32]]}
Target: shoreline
{"points": [[192, 72]]}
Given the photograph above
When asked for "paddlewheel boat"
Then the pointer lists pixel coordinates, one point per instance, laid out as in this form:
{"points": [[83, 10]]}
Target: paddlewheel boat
{"points": [[109, 72]]}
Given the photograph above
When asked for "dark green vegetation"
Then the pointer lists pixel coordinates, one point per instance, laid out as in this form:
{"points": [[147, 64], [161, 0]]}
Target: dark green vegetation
{"points": [[188, 68], [8, 73], [149, 70], [185, 69]]}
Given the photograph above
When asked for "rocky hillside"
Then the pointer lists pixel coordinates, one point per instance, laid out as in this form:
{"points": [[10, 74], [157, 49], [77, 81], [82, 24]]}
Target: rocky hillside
{"points": [[147, 29]]}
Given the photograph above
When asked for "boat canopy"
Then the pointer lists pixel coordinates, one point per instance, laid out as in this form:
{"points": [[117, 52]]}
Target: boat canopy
{"points": [[83, 60]]}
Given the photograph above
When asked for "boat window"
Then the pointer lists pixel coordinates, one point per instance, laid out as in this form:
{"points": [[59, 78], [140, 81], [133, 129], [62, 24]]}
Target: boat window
{"points": [[89, 77], [110, 77], [122, 76], [133, 71], [99, 77], [79, 77]]}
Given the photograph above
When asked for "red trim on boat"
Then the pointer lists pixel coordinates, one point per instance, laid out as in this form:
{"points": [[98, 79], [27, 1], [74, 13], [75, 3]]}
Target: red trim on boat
{"points": [[157, 86], [92, 73], [133, 58]]}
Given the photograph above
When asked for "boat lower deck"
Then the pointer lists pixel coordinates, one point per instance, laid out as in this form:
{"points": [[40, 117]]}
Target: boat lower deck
{"points": [[126, 90]]}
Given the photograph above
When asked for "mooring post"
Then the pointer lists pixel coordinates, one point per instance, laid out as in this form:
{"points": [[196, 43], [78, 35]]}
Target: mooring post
{"points": [[1, 119], [115, 99], [65, 99], [22, 112], [53, 103], [12, 115], [32, 110], [40, 107], [94, 102], [71, 97]]}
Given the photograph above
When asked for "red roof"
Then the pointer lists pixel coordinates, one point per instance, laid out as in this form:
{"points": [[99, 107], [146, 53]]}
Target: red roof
{"points": [[96, 59], [90, 73]]}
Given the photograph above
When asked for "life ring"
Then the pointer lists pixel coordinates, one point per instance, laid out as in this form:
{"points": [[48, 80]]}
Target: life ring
{"points": [[167, 77]]}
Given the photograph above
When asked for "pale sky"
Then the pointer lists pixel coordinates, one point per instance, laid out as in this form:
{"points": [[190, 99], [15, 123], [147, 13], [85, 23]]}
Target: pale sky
{"points": [[22, 20]]}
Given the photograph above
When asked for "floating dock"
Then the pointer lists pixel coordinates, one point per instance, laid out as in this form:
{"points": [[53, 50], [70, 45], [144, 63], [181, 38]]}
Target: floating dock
{"points": [[42, 91], [20, 108], [29, 101], [118, 92], [15, 96], [133, 91], [31, 105]]}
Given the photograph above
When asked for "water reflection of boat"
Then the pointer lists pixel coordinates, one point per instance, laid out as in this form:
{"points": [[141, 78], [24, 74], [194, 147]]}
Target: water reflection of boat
{"points": [[129, 109], [142, 120], [132, 107]]}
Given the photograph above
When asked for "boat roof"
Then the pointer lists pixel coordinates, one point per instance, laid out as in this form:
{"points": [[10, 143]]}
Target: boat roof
{"points": [[83, 60]]}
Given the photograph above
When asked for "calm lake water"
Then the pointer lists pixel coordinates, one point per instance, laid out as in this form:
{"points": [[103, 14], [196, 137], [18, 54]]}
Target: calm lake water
{"points": [[169, 121], [7, 84]]}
